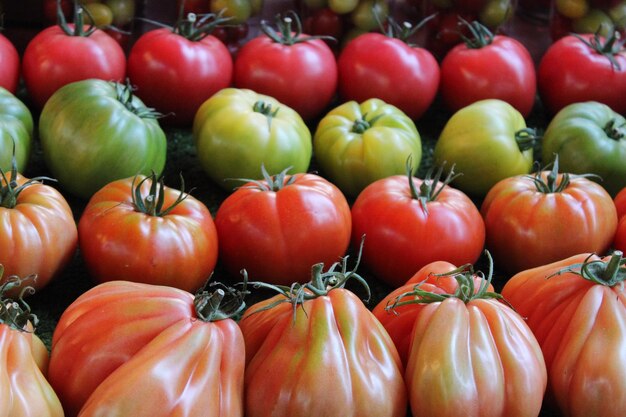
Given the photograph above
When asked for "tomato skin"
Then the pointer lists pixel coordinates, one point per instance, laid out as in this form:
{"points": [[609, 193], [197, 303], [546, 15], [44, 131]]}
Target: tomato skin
{"points": [[38, 235], [90, 138], [502, 69], [401, 238], [176, 75], [619, 241], [374, 65], [118, 242], [527, 228], [574, 319], [46, 65], [572, 72], [121, 334], [16, 128], [10, 74], [278, 235], [302, 75], [337, 343]]}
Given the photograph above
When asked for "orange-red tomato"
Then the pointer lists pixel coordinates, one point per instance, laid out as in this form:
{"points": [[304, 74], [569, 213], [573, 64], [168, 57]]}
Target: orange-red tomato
{"points": [[619, 241]]}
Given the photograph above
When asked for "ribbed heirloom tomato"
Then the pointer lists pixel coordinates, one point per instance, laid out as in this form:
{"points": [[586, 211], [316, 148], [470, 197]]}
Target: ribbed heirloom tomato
{"points": [[619, 241], [16, 130]]}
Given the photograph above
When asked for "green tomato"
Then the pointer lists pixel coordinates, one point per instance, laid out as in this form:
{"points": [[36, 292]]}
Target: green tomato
{"points": [[16, 128], [595, 21], [93, 132], [342, 6], [617, 14], [369, 13], [123, 11], [486, 142], [237, 131], [589, 138], [496, 12], [357, 144], [572, 9], [238, 10]]}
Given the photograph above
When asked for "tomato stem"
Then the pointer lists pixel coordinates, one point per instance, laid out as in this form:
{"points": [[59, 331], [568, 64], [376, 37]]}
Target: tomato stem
{"points": [[124, 94], [195, 29], [16, 314], [610, 47], [220, 304], [79, 21], [270, 183], [152, 204], [612, 131], [479, 37], [362, 124], [428, 190], [401, 31], [286, 33], [527, 138], [266, 110], [608, 273]]}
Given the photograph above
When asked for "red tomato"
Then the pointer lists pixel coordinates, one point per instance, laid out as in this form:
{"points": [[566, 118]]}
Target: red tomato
{"points": [[375, 65], [10, 73], [619, 241], [176, 71], [315, 336], [324, 22], [37, 229], [487, 66], [127, 232], [132, 349], [580, 68], [279, 227], [409, 222], [47, 64], [296, 69], [576, 308], [535, 220]]}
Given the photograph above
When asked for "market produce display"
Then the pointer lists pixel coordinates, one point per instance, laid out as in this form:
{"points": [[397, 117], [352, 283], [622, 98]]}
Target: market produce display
{"points": [[372, 240]]}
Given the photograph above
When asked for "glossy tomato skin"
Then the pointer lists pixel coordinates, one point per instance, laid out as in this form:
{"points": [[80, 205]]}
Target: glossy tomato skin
{"points": [[121, 342], [570, 72], [619, 241], [118, 242], [502, 69], [176, 75], [278, 235], [581, 329], [490, 362], [38, 234], [374, 65], [527, 228], [10, 74], [53, 59], [401, 237], [302, 75], [16, 129], [337, 343]]}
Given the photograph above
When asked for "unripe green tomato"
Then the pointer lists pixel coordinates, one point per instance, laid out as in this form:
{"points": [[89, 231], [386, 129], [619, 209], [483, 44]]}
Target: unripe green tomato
{"points": [[572, 9], [238, 10], [617, 14], [496, 12], [99, 14], [596, 21], [343, 6], [123, 11]]}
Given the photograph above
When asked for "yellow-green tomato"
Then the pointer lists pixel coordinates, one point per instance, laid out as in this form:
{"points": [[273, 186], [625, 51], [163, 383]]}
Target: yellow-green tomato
{"points": [[496, 12], [99, 14], [123, 11], [343, 6], [486, 142], [16, 130], [369, 13], [237, 131], [572, 9], [238, 10], [596, 21], [357, 144]]}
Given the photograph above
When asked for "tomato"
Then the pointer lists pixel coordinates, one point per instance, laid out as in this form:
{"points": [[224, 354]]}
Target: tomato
{"points": [[356, 144], [315, 336], [487, 66], [238, 11], [408, 223], [10, 74], [296, 69], [535, 220], [324, 22], [619, 241], [237, 130], [471, 355], [368, 14], [175, 71], [47, 66], [343, 6], [384, 66], [24, 389], [123, 11], [134, 349], [576, 308], [137, 229], [279, 227], [193, 6], [37, 229], [93, 132], [585, 67], [16, 129], [486, 141], [434, 277], [97, 14], [589, 138]]}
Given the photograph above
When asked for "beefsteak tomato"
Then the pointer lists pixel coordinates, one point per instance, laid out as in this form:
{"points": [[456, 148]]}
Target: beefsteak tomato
{"points": [[10, 58], [619, 241], [16, 132], [137, 229]]}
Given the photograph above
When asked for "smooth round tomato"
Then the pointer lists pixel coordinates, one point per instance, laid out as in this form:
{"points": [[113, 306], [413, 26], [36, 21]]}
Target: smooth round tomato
{"points": [[276, 229], [175, 71], [296, 69], [324, 22], [237, 131], [134, 349], [134, 230], [535, 220], [576, 308], [47, 65], [487, 66], [375, 65], [93, 132], [10, 74], [239, 11], [408, 223], [123, 11], [16, 132], [619, 241], [585, 67]]}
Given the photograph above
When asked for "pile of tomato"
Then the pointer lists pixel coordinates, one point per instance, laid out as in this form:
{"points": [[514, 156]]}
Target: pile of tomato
{"points": [[356, 229]]}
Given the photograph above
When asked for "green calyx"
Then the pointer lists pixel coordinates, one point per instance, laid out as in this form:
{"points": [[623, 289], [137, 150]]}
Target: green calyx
{"points": [[79, 21], [479, 35], [273, 183], [152, 204], [124, 94], [610, 47], [362, 124], [552, 184], [403, 31], [285, 32], [431, 186], [219, 302], [608, 273], [614, 132], [16, 314], [197, 27], [466, 290], [527, 138], [266, 110]]}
